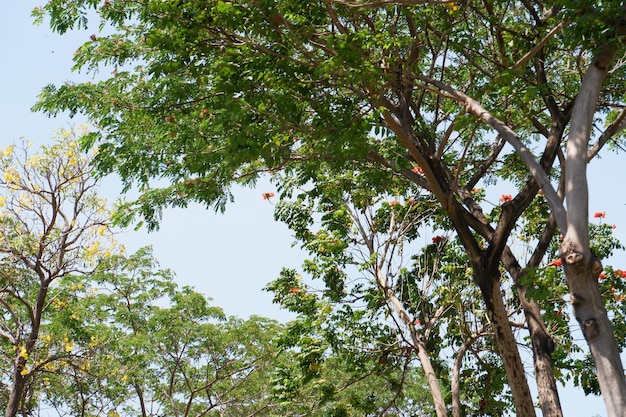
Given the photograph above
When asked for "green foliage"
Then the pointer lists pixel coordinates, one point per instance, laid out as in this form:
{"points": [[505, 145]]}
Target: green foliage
{"points": [[355, 111]]}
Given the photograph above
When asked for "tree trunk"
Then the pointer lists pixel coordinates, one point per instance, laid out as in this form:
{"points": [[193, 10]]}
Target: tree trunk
{"points": [[541, 341], [581, 266], [17, 388], [543, 346], [507, 346]]}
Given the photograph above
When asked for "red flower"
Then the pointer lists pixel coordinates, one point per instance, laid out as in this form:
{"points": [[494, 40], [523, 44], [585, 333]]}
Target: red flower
{"points": [[417, 322], [267, 196], [411, 201], [437, 239], [556, 262], [602, 275], [506, 197], [599, 214], [392, 203], [620, 273], [294, 290]]}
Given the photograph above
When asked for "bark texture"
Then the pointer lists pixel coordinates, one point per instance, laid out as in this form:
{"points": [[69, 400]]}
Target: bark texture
{"points": [[581, 266]]}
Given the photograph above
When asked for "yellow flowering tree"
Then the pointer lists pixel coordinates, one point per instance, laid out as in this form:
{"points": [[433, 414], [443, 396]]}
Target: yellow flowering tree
{"points": [[52, 226]]}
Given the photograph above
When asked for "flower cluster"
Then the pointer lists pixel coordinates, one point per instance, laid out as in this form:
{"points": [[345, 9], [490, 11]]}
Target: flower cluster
{"points": [[267, 196], [600, 214], [417, 170], [505, 198], [437, 239]]}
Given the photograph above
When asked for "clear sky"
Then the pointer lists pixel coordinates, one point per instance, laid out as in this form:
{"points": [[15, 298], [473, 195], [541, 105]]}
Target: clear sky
{"points": [[228, 257]]}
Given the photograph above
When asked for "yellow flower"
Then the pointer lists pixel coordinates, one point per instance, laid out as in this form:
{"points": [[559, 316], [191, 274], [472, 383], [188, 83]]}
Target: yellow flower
{"points": [[93, 342], [59, 303], [92, 250], [69, 345], [23, 352], [46, 339], [453, 7], [11, 176], [34, 160], [3, 200], [24, 371]]}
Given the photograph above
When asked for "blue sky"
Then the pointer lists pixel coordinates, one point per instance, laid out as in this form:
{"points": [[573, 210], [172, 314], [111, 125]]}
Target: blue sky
{"points": [[228, 257]]}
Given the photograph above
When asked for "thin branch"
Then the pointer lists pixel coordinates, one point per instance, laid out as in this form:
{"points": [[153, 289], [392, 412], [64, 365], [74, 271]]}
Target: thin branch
{"points": [[539, 46], [618, 124]]}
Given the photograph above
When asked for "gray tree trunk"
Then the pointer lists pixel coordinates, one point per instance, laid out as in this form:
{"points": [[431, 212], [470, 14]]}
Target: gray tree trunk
{"points": [[581, 266]]}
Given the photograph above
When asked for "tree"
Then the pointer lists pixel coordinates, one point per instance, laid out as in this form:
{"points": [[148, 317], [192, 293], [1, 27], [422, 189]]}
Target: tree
{"points": [[426, 92], [52, 226], [376, 270], [150, 348]]}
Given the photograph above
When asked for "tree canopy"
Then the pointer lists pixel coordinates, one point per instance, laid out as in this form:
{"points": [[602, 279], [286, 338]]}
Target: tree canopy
{"points": [[87, 330], [350, 103]]}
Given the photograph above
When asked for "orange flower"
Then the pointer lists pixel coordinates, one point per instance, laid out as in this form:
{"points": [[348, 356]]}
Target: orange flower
{"points": [[267, 196], [602, 275], [556, 262], [506, 197], [417, 170], [599, 214]]}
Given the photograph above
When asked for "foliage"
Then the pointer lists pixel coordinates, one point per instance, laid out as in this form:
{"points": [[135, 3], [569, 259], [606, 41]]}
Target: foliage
{"points": [[148, 348], [358, 108]]}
